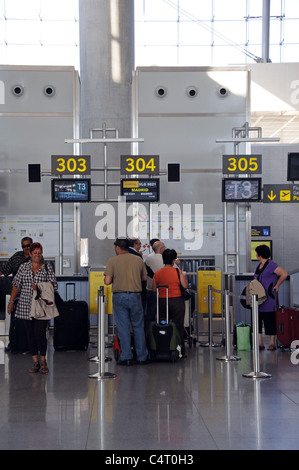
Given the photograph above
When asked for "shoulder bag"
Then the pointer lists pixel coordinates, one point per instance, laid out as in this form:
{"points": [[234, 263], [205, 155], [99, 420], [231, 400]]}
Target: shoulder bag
{"points": [[184, 292]]}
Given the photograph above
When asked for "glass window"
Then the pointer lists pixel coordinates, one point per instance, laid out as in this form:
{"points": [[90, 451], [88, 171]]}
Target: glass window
{"points": [[230, 31], [196, 56], [275, 31], [161, 33], [201, 11], [291, 28], [57, 9], [58, 32], [22, 32], [255, 8], [159, 10], [161, 56], [291, 9], [227, 55], [234, 9], [193, 34], [16, 9], [276, 8]]}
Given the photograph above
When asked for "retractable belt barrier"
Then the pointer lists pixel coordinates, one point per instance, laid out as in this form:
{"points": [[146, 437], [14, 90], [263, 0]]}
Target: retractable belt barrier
{"points": [[101, 374], [228, 357]]}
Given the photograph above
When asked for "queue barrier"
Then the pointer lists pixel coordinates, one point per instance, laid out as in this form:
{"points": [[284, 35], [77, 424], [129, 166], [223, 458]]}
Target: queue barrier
{"points": [[101, 374], [228, 357]]}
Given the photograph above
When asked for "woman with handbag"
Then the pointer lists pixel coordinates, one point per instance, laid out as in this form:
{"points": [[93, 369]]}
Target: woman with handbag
{"points": [[24, 283], [271, 276], [176, 304]]}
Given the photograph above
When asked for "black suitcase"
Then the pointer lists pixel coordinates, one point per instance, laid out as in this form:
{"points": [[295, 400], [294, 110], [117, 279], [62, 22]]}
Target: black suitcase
{"points": [[71, 327], [163, 339], [18, 341]]}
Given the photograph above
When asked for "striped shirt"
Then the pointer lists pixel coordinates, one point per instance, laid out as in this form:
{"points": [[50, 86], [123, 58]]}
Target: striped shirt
{"points": [[23, 281], [13, 264]]}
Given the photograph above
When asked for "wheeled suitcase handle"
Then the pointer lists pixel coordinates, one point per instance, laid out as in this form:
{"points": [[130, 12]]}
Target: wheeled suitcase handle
{"points": [[166, 286], [67, 285]]}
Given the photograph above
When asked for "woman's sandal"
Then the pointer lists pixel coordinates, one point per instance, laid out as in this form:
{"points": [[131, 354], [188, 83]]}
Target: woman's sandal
{"points": [[44, 368], [35, 368], [271, 347]]}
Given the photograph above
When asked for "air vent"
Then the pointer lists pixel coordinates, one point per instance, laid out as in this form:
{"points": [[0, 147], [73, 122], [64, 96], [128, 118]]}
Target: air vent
{"points": [[161, 92], [17, 90], [49, 91], [222, 92], [192, 91]]}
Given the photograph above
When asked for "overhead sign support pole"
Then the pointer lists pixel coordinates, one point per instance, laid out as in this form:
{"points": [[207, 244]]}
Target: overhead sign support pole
{"points": [[240, 135]]}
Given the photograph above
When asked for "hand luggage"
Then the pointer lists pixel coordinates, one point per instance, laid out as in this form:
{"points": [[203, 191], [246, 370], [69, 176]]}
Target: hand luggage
{"points": [[71, 328], [117, 347], [287, 325], [163, 339], [18, 341], [242, 337]]}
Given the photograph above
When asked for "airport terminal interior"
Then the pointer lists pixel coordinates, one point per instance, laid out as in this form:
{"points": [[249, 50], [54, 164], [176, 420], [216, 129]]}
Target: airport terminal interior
{"points": [[215, 99]]}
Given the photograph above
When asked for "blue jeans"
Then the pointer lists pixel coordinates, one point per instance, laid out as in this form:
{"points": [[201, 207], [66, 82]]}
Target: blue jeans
{"points": [[128, 311]]}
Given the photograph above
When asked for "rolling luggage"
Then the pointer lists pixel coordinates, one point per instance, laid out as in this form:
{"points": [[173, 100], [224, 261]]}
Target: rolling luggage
{"points": [[18, 340], [163, 339], [71, 328], [117, 347], [287, 325]]}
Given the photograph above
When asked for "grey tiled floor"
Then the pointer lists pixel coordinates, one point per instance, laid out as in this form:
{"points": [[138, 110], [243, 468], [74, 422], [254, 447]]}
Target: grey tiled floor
{"points": [[197, 403]]}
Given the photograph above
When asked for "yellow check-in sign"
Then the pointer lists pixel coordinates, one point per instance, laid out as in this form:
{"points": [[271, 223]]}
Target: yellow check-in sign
{"points": [[96, 280], [206, 279]]}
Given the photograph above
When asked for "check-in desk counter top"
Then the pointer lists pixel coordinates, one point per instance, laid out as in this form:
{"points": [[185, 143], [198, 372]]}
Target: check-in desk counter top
{"points": [[70, 287]]}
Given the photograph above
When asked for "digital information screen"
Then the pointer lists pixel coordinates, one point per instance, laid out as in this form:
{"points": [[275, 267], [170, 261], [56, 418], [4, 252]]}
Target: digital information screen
{"points": [[70, 190], [293, 167], [241, 189], [255, 243], [141, 190]]}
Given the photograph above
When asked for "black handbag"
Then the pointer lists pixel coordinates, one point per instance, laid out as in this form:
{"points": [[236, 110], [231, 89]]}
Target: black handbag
{"points": [[184, 292]]}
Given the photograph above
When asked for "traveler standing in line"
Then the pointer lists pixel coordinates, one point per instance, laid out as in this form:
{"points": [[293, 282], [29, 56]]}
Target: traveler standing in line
{"points": [[153, 262], [134, 249], [11, 267], [28, 275], [125, 272], [176, 305], [271, 276]]}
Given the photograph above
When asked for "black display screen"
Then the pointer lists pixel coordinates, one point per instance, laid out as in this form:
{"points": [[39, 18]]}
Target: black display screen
{"points": [[140, 190], [70, 190], [293, 167], [241, 189]]}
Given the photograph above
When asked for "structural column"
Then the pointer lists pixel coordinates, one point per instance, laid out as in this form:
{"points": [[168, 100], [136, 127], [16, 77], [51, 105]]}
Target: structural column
{"points": [[106, 65]]}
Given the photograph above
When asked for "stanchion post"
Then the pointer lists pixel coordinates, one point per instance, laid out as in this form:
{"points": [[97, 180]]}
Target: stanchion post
{"points": [[228, 356], [210, 311], [101, 374], [101, 308], [256, 373]]}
